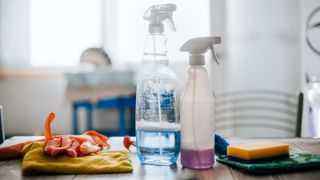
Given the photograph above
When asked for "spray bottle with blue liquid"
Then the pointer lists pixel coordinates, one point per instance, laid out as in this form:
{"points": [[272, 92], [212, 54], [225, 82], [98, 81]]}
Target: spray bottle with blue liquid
{"points": [[157, 119]]}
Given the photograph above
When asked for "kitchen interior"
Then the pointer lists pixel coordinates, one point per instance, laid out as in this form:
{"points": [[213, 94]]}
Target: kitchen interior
{"points": [[56, 53], [132, 70]]}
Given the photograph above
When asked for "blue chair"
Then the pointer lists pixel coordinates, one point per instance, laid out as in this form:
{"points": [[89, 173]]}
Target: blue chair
{"points": [[81, 104], [114, 103], [130, 103], [120, 103]]}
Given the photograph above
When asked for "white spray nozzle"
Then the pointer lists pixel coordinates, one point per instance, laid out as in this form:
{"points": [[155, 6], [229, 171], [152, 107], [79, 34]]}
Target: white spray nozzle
{"points": [[157, 14], [198, 46]]}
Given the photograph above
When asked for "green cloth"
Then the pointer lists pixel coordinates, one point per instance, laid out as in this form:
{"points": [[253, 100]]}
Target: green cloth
{"points": [[35, 160], [296, 160]]}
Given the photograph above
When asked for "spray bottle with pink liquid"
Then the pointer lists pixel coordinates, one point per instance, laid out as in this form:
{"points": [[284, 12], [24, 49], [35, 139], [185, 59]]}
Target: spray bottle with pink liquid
{"points": [[197, 108]]}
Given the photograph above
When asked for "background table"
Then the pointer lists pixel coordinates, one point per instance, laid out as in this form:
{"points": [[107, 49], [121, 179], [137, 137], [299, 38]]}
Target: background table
{"points": [[11, 169]]}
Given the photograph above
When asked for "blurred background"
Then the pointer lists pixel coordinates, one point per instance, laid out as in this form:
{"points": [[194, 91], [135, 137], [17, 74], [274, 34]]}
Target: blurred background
{"points": [[79, 58]]}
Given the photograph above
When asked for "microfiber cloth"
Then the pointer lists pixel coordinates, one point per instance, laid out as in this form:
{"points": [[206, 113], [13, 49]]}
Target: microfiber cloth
{"points": [[36, 161], [296, 160]]}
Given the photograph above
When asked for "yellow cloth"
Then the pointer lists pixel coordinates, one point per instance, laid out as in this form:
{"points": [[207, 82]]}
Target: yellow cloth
{"points": [[36, 161]]}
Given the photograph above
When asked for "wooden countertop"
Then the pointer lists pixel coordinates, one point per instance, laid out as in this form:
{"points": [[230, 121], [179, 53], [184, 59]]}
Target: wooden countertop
{"points": [[11, 169]]}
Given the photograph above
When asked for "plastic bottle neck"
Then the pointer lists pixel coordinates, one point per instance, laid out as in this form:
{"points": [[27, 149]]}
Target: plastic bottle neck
{"points": [[196, 59], [155, 49]]}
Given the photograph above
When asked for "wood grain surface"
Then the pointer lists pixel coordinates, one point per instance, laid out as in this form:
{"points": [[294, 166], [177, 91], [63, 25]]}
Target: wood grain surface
{"points": [[11, 169]]}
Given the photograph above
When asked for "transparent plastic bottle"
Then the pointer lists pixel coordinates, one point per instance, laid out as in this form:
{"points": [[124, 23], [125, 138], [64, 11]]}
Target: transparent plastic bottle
{"points": [[313, 102], [157, 119], [197, 107]]}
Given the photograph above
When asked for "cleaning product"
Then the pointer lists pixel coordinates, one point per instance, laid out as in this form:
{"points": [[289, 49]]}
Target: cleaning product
{"points": [[197, 108], [313, 105], [296, 160], [258, 151], [157, 120]]}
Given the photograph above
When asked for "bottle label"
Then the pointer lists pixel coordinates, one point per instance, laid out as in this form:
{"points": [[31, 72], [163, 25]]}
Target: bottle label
{"points": [[158, 103]]}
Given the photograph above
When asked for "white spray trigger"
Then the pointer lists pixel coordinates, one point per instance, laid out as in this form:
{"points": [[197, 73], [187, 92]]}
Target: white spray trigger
{"points": [[170, 23], [198, 46], [214, 55], [157, 14]]}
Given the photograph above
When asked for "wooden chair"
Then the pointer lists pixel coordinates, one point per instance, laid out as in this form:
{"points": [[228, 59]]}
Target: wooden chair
{"points": [[258, 113]]}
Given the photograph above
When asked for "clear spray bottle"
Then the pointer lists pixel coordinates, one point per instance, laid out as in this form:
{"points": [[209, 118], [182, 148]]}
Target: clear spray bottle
{"points": [[197, 107], [157, 119], [313, 106]]}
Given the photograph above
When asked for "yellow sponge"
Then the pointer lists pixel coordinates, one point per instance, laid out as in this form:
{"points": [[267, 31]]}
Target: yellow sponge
{"points": [[258, 151]]}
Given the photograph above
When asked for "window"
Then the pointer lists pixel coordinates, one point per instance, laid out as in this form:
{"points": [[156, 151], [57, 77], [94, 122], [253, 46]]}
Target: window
{"points": [[192, 18], [54, 33], [60, 30]]}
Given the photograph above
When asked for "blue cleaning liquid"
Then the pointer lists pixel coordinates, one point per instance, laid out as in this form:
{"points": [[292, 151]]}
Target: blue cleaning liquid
{"points": [[158, 147]]}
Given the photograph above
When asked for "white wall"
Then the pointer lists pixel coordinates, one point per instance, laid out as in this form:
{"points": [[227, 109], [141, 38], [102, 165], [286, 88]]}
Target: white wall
{"points": [[263, 44], [260, 50], [14, 39], [217, 72], [27, 102]]}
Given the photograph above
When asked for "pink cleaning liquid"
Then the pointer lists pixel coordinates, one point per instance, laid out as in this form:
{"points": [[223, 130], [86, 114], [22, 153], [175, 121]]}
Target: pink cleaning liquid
{"points": [[193, 159]]}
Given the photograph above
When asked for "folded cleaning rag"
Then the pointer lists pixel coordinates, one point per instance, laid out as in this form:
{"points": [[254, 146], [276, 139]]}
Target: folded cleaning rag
{"points": [[36, 161]]}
